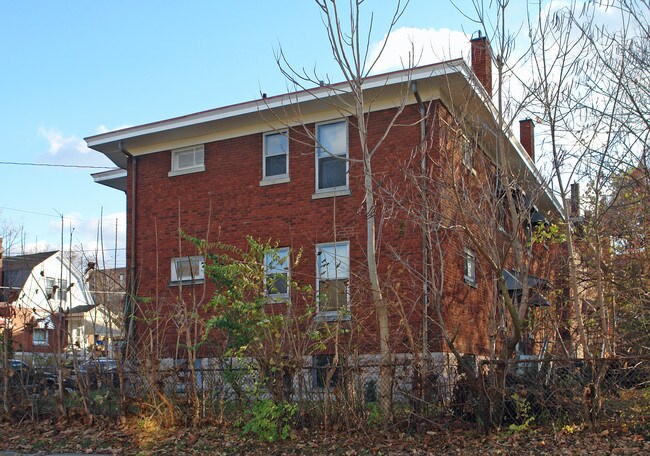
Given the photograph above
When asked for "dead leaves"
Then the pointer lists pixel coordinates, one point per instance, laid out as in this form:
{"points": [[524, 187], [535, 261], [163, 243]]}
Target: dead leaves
{"points": [[140, 437]]}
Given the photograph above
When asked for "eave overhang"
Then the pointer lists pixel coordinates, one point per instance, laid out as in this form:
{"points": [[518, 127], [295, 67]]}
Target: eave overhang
{"points": [[452, 81], [114, 178]]}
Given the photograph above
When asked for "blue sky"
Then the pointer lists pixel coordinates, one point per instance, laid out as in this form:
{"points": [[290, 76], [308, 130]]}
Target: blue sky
{"points": [[72, 69]]}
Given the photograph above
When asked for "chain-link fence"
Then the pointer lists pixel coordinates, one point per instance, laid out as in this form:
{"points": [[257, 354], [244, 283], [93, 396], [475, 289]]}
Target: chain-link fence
{"points": [[323, 391]]}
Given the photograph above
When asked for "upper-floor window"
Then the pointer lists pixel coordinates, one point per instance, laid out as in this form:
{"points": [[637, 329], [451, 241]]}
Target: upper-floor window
{"points": [[56, 289], [276, 156], [332, 156], [276, 274], [187, 269], [470, 267], [187, 160], [333, 278], [467, 147]]}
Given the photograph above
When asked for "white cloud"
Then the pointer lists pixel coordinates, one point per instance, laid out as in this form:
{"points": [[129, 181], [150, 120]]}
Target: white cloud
{"points": [[415, 46], [104, 129], [69, 149]]}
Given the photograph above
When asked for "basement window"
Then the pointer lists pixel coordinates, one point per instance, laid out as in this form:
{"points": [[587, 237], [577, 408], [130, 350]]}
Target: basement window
{"points": [[187, 160]]}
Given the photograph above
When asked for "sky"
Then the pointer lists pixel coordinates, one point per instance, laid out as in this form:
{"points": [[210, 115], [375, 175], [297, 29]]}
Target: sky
{"points": [[72, 69]]}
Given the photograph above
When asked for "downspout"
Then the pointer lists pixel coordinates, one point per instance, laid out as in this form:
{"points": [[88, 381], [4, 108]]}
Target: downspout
{"points": [[425, 250], [129, 309]]}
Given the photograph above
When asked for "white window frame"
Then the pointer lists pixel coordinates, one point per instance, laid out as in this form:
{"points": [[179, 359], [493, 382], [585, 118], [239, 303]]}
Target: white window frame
{"points": [[340, 190], [61, 286], [41, 343], [342, 313], [199, 160], [277, 261], [469, 267], [199, 278], [468, 149], [277, 178]]}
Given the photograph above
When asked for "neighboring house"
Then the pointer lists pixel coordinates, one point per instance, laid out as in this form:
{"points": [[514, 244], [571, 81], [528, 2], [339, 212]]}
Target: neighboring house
{"points": [[50, 306], [108, 289], [251, 169]]}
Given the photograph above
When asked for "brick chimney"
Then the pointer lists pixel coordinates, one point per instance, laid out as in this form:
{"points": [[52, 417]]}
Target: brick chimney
{"points": [[527, 136], [575, 200], [482, 61]]}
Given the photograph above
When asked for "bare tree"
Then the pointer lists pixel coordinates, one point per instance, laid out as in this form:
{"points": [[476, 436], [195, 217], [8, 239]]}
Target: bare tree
{"points": [[349, 44]]}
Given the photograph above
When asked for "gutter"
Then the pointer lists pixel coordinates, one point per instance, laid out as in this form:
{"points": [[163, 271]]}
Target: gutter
{"points": [[129, 309], [425, 250]]}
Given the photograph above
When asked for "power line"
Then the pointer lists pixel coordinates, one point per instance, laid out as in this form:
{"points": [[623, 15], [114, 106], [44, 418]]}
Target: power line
{"points": [[58, 216], [54, 165]]}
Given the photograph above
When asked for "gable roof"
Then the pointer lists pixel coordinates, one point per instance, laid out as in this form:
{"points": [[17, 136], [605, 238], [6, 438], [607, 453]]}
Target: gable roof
{"points": [[16, 269]]}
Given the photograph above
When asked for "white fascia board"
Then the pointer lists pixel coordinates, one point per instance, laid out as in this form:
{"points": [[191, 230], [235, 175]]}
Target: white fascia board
{"points": [[280, 101]]}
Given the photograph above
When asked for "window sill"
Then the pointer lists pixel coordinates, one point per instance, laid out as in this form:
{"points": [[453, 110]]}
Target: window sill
{"points": [[470, 169], [470, 282], [330, 193], [178, 283], [332, 315], [274, 180], [279, 299], [180, 172]]}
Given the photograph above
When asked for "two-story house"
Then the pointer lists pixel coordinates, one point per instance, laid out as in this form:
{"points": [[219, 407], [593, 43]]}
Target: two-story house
{"points": [[287, 168], [48, 306]]}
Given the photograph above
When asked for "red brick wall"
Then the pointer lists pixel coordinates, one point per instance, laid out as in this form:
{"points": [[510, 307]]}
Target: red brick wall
{"points": [[527, 136], [482, 62], [225, 203]]}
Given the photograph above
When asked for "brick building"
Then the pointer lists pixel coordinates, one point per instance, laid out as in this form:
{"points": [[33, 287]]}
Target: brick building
{"points": [[286, 169]]}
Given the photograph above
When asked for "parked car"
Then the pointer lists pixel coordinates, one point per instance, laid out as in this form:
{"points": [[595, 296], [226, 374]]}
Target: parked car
{"points": [[24, 376], [97, 372]]}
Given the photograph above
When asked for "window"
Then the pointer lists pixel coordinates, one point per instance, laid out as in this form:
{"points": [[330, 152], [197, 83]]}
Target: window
{"points": [[56, 289], [187, 160], [468, 152], [40, 336], [276, 274], [62, 292], [49, 287], [333, 278], [323, 365], [331, 156], [187, 269], [276, 156], [470, 267]]}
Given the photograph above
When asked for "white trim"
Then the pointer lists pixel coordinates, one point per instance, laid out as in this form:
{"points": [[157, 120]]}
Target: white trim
{"points": [[396, 77], [180, 172], [278, 297], [44, 343], [329, 193], [199, 165], [340, 188], [174, 269], [470, 278], [275, 178]]}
